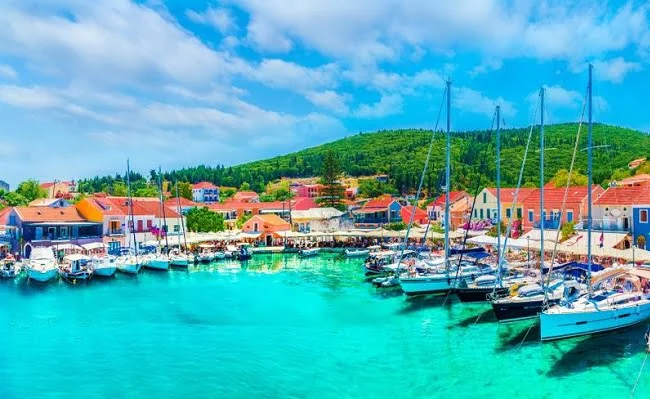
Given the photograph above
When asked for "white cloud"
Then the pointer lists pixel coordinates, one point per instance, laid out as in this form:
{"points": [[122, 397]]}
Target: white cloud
{"points": [[266, 37], [615, 69], [28, 97], [470, 100], [485, 67], [387, 105], [329, 100], [6, 71], [219, 18], [288, 75]]}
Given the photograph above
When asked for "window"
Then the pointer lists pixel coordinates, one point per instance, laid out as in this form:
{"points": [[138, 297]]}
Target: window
{"points": [[51, 233], [643, 216], [481, 213], [75, 231], [485, 198], [177, 228], [256, 227], [531, 216], [569, 216], [63, 232], [475, 212], [518, 213], [508, 212]]}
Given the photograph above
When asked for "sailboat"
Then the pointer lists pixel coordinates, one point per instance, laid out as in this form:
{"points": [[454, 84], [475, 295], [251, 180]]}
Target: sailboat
{"points": [[181, 259], [160, 261], [439, 281], [129, 262], [615, 298], [527, 301]]}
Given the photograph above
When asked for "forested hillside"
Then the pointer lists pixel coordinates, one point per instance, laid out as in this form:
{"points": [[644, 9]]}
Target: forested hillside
{"points": [[401, 155]]}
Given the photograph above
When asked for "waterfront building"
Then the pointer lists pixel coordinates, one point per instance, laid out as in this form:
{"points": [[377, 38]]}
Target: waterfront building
{"points": [[486, 204], [205, 192], [185, 205], [60, 189], [377, 212], [612, 211], [51, 202], [575, 206], [420, 217], [269, 227], [320, 220], [50, 227], [460, 204], [247, 197]]}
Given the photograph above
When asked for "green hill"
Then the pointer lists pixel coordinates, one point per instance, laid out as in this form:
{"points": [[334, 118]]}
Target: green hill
{"points": [[401, 155]]}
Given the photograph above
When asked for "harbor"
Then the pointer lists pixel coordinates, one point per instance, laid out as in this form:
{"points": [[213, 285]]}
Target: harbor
{"points": [[316, 317]]}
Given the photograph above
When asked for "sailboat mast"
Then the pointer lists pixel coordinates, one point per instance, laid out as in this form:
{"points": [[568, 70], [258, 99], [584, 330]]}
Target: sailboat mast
{"points": [[180, 212], [130, 200], [589, 179], [162, 210], [542, 215], [498, 143], [448, 170]]}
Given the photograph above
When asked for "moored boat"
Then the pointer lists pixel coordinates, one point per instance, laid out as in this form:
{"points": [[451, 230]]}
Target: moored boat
{"points": [[357, 253], [41, 266], [75, 267], [158, 262], [9, 268], [309, 252], [104, 266], [128, 264]]}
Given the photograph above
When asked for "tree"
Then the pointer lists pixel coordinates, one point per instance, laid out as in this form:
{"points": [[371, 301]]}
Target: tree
{"points": [[15, 199], [147, 191], [226, 193], [333, 192], [493, 230], [245, 187], [567, 229], [242, 219], [370, 188], [184, 190], [31, 190], [395, 226], [118, 189], [562, 176], [203, 220]]}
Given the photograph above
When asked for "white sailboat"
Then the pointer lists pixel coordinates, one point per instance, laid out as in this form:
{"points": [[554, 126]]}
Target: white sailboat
{"points": [[104, 266], [180, 258], [160, 260], [438, 282], [42, 266], [129, 263], [614, 299]]}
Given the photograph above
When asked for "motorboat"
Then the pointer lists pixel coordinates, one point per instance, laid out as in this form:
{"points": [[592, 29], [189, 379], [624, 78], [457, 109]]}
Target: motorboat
{"points": [[618, 301], [243, 253], [489, 285], [308, 252], [75, 267], [526, 301], [357, 253], [9, 268], [104, 266], [439, 281], [206, 255], [41, 266], [219, 255]]}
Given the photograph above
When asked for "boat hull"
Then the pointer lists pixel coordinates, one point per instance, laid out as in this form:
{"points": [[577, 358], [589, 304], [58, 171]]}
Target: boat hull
{"points": [[42, 276], [478, 294], [82, 275], [105, 271], [131, 268], [506, 312], [357, 254], [179, 263], [428, 285], [554, 326], [158, 264]]}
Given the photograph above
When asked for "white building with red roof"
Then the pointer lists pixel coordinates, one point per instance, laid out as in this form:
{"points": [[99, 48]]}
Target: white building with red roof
{"points": [[205, 192]]}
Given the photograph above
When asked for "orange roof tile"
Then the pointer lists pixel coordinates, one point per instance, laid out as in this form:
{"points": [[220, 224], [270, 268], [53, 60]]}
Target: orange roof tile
{"points": [[420, 214], [45, 214], [4, 216], [627, 195], [454, 196], [508, 194], [173, 202], [240, 195], [203, 184], [381, 202]]}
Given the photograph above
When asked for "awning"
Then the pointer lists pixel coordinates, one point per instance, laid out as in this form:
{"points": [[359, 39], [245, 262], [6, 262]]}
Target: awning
{"points": [[645, 273], [66, 246], [93, 245]]}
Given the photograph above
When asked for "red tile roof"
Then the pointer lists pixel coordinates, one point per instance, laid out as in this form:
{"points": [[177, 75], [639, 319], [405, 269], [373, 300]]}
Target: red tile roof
{"points": [[554, 197], [628, 195], [45, 214], [105, 206], [50, 184], [302, 204], [173, 202], [635, 180], [420, 214], [118, 206], [454, 196], [379, 203], [244, 195], [508, 194], [203, 184], [4, 216]]}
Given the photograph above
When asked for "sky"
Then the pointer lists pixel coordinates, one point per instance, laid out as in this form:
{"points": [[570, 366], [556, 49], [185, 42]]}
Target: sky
{"points": [[84, 85]]}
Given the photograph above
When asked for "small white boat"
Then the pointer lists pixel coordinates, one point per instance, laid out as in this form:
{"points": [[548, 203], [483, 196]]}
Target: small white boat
{"points": [[309, 252], [128, 264], [219, 255], [42, 265], [206, 255], [357, 253], [9, 268], [75, 267], [180, 260], [158, 262], [104, 266]]}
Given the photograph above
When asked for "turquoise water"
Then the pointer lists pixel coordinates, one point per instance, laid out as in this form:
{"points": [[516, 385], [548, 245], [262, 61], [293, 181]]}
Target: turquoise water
{"points": [[285, 327]]}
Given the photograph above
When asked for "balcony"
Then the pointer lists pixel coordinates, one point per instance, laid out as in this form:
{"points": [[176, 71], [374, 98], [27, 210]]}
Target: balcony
{"points": [[114, 232], [548, 224], [610, 225]]}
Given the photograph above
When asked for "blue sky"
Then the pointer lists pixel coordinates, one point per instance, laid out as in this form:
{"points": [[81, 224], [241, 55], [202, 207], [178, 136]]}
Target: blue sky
{"points": [[86, 84]]}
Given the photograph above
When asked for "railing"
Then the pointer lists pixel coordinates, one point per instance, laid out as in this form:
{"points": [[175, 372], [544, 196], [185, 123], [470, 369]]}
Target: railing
{"points": [[548, 224], [115, 232], [605, 225]]}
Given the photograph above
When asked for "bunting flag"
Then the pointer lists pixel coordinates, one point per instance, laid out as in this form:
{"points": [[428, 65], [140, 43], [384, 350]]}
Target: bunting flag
{"points": [[602, 239]]}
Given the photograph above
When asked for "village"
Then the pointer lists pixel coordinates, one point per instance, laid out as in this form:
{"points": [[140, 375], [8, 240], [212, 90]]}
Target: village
{"points": [[98, 222]]}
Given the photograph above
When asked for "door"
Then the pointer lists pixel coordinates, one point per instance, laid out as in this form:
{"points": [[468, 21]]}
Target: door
{"points": [[626, 223], [269, 240], [39, 233], [139, 225]]}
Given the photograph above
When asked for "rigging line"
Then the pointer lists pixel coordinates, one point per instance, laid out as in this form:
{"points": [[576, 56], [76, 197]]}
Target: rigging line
{"points": [[638, 377], [424, 172], [566, 193], [519, 180], [480, 167], [525, 336]]}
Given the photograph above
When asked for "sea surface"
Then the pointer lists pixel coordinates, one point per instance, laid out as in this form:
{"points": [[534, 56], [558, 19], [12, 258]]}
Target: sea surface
{"points": [[285, 327]]}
